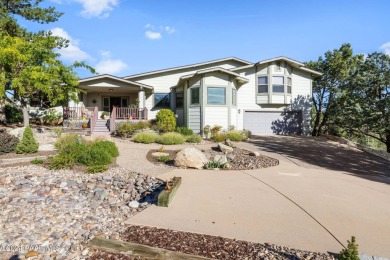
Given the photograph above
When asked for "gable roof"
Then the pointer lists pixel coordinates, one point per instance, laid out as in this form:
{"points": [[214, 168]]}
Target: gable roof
{"points": [[107, 76], [244, 62], [292, 62], [215, 69]]}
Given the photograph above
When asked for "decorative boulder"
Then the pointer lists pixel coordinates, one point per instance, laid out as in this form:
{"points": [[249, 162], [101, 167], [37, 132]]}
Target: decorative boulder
{"points": [[220, 158], [190, 158], [224, 148]]}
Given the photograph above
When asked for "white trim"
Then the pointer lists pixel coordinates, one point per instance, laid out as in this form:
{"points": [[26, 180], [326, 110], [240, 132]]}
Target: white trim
{"points": [[186, 67], [211, 70], [117, 79]]}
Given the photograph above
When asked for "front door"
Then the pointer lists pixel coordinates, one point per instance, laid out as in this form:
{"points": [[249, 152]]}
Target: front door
{"points": [[106, 104], [115, 101]]}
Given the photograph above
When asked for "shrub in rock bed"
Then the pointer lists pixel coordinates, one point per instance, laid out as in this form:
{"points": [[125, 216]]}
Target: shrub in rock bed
{"points": [[171, 138], [234, 136], [145, 138], [219, 137], [8, 143], [64, 141], [127, 129], [166, 120], [28, 143], [194, 138], [184, 131]]}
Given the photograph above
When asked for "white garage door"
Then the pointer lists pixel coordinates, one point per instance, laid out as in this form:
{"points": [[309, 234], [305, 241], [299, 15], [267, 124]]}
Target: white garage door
{"points": [[270, 123]]}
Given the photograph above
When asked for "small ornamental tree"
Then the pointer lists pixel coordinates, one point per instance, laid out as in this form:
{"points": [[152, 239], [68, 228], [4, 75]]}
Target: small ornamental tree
{"points": [[166, 120], [28, 143], [351, 252], [8, 143]]}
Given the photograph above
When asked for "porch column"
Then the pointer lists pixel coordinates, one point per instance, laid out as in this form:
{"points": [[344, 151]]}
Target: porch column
{"points": [[141, 98]]}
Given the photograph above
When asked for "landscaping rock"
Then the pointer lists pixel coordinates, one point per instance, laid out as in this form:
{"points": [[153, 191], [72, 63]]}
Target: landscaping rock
{"points": [[229, 143], [190, 158], [159, 154], [134, 204], [225, 149], [221, 158], [254, 153], [18, 132]]}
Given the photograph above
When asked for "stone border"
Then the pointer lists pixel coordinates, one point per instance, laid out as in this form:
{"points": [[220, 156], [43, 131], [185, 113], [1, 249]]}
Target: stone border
{"points": [[166, 197], [383, 154], [21, 159]]}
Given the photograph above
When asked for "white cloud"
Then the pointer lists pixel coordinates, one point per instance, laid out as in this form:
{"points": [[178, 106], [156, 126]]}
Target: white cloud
{"points": [[153, 35], [169, 29], [149, 26], [386, 48], [73, 51], [109, 65], [94, 8]]}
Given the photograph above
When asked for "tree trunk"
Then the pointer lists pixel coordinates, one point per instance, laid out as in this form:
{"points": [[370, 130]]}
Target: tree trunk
{"points": [[388, 142], [316, 123], [26, 116], [3, 119]]}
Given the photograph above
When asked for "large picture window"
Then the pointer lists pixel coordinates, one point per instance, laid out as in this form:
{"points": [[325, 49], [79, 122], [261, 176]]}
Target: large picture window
{"points": [[194, 96], [278, 84], [262, 84], [216, 96], [161, 100]]}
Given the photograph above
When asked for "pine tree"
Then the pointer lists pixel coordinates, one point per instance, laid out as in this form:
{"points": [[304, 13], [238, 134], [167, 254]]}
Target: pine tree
{"points": [[351, 252], [28, 143]]}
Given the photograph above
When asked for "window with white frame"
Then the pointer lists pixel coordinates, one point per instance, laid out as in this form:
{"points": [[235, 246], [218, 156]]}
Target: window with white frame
{"points": [[262, 84], [278, 84], [161, 100], [216, 96], [289, 85]]}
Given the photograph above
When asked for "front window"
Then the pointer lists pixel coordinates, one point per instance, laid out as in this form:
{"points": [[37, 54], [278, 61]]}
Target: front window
{"points": [[234, 97], [216, 96], [194, 96], [278, 84], [289, 84], [262, 85], [161, 100], [179, 99]]}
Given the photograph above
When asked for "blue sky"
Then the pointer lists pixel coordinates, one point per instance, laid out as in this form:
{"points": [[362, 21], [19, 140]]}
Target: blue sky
{"points": [[124, 37]]}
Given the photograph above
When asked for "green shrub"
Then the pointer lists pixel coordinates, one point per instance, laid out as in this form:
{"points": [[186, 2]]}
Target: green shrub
{"points": [[145, 138], [234, 136], [125, 129], [107, 146], [57, 132], [351, 253], [96, 169], [37, 161], [215, 130], [94, 154], [219, 137], [13, 114], [246, 134], [166, 120], [184, 131], [194, 138], [206, 130], [61, 161], [214, 164], [163, 158], [171, 138], [67, 140], [8, 143], [28, 143]]}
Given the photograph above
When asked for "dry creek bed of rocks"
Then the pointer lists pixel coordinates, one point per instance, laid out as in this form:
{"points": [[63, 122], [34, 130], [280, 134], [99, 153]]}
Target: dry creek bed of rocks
{"points": [[239, 159], [62, 209], [208, 246]]}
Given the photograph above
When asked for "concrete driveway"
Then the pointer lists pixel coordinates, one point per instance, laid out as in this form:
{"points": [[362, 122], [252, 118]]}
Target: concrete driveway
{"points": [[299, 203]]}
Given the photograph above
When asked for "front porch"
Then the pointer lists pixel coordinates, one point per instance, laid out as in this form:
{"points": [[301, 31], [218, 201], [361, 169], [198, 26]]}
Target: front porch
{"points": [[86, 118]]}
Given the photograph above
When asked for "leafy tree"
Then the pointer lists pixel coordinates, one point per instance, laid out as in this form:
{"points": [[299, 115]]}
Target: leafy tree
{"points": [[351, 252], [336, 66], [366, 101], [28, 63]]}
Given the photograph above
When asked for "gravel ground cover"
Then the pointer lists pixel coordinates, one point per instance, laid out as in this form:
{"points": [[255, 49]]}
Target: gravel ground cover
{"points": [[59, 210], [209, 246], [239, 159]]}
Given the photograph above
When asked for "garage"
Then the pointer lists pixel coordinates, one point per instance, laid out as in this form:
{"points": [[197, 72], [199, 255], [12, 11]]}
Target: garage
{"points": [[270, 123]]}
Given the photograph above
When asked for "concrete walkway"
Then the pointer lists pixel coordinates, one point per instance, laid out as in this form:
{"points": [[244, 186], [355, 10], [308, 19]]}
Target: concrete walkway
{"points": [[293, 205]]}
